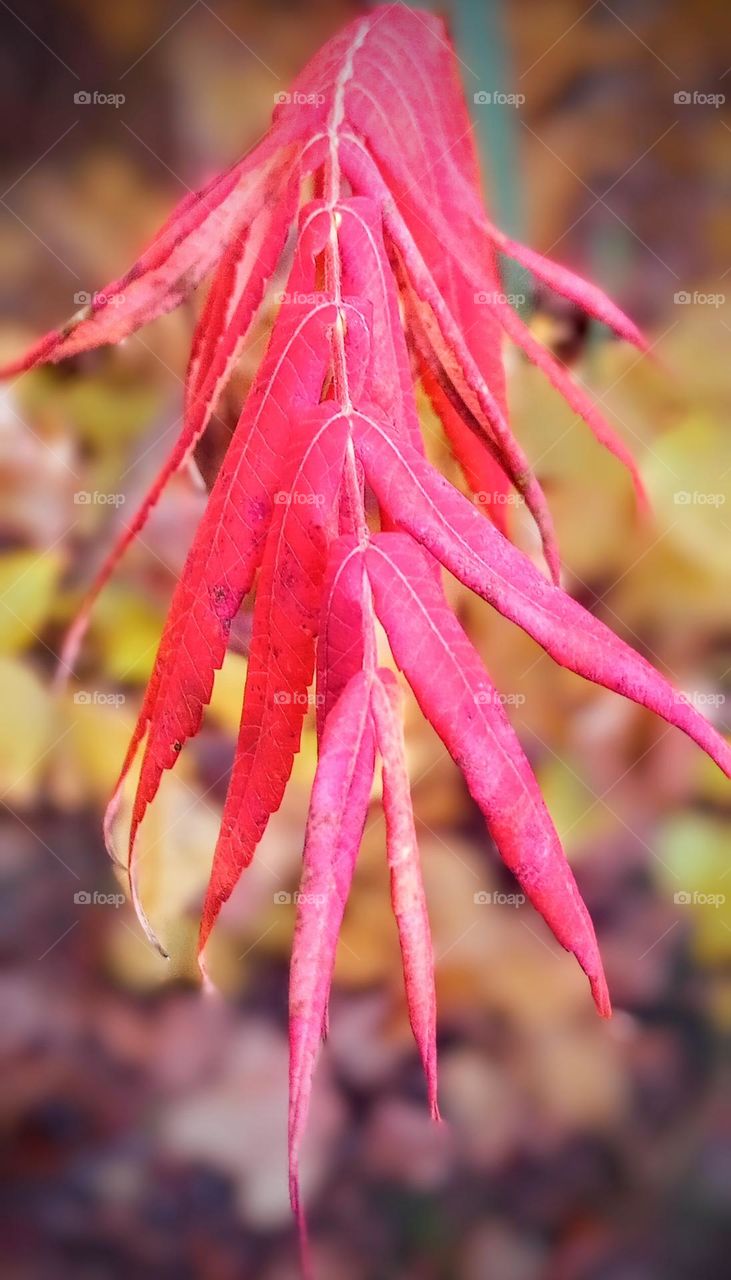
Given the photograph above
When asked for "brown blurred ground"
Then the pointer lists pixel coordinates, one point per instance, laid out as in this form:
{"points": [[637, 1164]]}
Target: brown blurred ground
{"points": [[145, 1127]]}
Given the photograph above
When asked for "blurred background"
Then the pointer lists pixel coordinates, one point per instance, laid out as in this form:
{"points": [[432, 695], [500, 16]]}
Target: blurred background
{"points": [[144, 1126]]}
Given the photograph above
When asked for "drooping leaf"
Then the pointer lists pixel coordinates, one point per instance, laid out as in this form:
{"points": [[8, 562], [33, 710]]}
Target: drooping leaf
{"points": [[572, 393], [340, 636], [453, 354], [282, 655], [565, 282], [439, 517], [227, 550], [181, 254], [394, 277], [456, 695], [334, 829], [232, 303], [407, 889]]}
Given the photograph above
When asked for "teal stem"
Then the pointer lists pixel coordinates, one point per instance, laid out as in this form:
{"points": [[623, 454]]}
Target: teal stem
{"points": [[479, 35], [478, 31]]}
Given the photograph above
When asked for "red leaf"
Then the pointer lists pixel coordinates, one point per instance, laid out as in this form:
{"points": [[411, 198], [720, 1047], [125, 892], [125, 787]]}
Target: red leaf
{"points": [[476, 456], [452, 352], [439, 517], [282, 654], [407, 890], [586, 295], [573, 394], [232, 304], [185, 249], [394, 261], [455, 694], [227, 549], [335, 824], [367, 273], [340, 646], [444, 162]]}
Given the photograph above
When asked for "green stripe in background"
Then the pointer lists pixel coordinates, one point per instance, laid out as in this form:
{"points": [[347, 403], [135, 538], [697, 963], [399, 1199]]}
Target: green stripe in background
{"points": [[478, 31]]}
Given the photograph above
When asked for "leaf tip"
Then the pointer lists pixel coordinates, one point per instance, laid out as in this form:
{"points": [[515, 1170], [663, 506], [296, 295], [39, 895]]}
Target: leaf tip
{"points": [[147, 928], [600, 992], [208, 987], [110, 818]]}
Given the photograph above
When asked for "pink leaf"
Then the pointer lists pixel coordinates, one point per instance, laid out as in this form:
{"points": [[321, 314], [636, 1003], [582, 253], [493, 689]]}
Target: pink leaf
{"points": [[282, 653], [227, 549], [407, 889], [426, 505], [338, 809], [569, 285], [232, 304], [573, 394], [340, 644], [182, 253], [455, 694], [452, 351], [394, 276]]}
